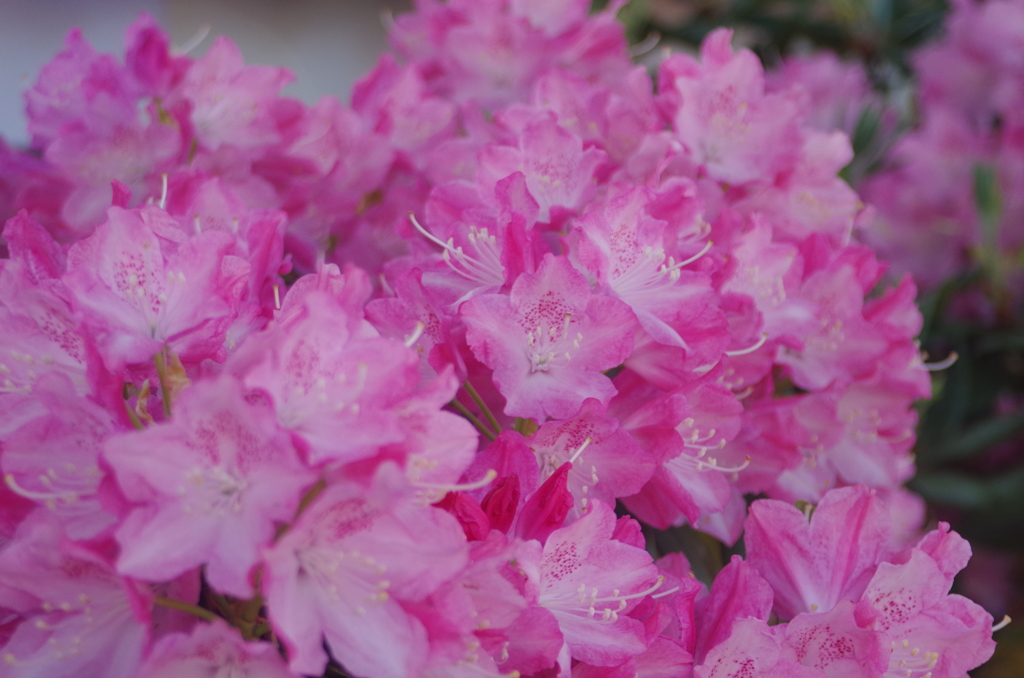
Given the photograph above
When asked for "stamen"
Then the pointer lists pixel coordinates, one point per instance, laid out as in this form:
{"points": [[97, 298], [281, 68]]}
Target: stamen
{"points": [[277, 298], [195, 40], [1003, 624], [698, 255], [46, 497], [457, 487], [582, 447], [645, 46], [665, 593], [163, 192], [475, 270], [642, 594], [416, 334], [751, 349], [702, 462], [942, 364]]}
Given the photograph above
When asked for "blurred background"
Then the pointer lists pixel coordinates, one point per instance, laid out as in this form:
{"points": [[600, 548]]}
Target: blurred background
{"points": [[328, 44]]}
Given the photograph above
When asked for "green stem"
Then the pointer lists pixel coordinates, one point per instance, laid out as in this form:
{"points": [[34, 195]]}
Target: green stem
{"points": [[161, 370], [252, 608], [483, 407], [184, 607], [307, 499], [472, 419], [136, 422], [222, 603]]}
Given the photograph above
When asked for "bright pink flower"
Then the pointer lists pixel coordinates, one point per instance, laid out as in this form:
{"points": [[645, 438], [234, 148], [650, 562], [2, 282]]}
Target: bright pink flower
{"points": [[215, 480], [393, 102], [39, 333], [832, 641], [907, 603], [737, 593], [590, 582], [633, 254], [549, 340], [343, 569], [492, 52], [331, 379], [694, 425], [213, 649], [78, 617], [606, 463], [844, 346], [770, 273], [230, 103], [486, 234], [53, 459], [811, 198], [813, 564], [615, 117], [559, 171], [720, 112], [751, 650], [142, 285], [837, 91], [84, 114]]}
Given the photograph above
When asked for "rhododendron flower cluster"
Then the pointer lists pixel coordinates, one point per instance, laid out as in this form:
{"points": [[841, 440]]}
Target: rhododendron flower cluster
{"points": [[289, 387]]}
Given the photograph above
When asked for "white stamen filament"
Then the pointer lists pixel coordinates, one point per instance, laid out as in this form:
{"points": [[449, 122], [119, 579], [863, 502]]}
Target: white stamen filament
{"points": [[163, 192], [662, 594], [488, 273], [1003, 624], [641, 594], [645, 46], [277, 298], [416, 334], [48, 498], [943, 364], [435, 491], [194, 41], [646, 274], [750, 349], [578, 452], [702, 462]]}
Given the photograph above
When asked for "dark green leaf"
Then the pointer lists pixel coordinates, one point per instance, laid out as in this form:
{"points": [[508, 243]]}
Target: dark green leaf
{"points": [[980, 437]]}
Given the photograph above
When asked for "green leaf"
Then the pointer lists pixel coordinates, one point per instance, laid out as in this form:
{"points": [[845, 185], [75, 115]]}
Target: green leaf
{"points": [[953, 489], [980, 437], [1003, 341], [867, 127], [989, 203]]}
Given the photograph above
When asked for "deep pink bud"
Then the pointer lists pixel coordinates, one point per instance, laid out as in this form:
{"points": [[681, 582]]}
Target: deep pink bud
{"points": [[545, 511], [473, 520], [501, 502]]}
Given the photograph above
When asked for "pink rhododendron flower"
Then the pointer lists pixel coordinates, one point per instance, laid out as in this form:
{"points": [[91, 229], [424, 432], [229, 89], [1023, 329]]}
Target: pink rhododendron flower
{"points": [[344, 569], [141, 286], [219, 475], [211, 649], [549, 339], [76, 615]]}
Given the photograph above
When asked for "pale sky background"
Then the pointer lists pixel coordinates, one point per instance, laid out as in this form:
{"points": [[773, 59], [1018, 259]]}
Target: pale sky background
{"points": [[329, 44]]}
